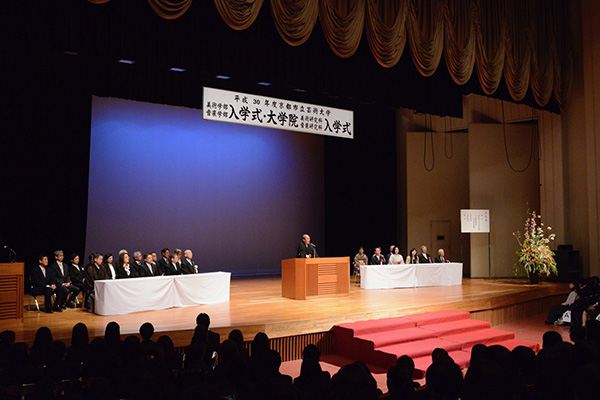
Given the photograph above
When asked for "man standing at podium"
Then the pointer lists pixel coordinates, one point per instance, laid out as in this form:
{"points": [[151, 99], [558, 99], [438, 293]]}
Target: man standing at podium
{"points": [[306, 249]]}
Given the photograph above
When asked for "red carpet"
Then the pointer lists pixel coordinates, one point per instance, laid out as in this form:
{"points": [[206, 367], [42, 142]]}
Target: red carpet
{"points": [[380, 342]]}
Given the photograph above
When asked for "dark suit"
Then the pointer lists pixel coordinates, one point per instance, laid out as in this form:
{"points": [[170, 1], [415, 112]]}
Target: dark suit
{"points": [[144, 271], [441, 260], [162, 266], [40, 284], [188, 266], [92, 274], [304, 251], [172, 269], [64, 277], [137, 266], [424, 259], [377, 259], [122, 274], [77, 274]]}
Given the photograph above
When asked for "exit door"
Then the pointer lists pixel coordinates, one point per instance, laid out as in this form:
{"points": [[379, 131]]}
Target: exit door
{"points": [[440, 238]]}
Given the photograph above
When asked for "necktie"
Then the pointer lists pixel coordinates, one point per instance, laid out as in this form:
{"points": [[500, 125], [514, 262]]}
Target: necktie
{"points": [[44, 272]]}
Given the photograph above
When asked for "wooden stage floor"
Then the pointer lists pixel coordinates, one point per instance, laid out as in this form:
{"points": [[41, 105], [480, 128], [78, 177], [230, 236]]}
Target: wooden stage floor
{"points": [[256, 305]]}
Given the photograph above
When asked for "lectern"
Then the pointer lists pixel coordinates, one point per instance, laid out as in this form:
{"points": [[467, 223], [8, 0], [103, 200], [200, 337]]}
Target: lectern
{"points": [[303, 278], [11, 291]]}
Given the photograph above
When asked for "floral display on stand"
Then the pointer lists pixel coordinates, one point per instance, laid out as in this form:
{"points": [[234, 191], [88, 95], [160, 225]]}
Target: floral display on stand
{"points": [[534, 254]]}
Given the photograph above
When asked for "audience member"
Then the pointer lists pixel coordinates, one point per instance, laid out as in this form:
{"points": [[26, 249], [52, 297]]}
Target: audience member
{"points": [[441, 257], [137, 262], [395, 258], [62, 280], [44, 282], [377, 258], [76, 272], [424, 258], [124, 268], [555, 315], [188, 265], [551, 339], [313, 381], [148, 268], [412, 257], [164, 261], [111, 271], [94, 272]]}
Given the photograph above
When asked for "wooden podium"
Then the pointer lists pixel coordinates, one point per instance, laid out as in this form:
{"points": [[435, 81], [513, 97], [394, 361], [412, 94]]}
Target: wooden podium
{"points": [[11, 291], [303, 278]]}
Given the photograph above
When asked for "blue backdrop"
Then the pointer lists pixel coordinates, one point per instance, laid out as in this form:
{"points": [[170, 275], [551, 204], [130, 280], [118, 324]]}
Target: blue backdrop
{"points": [[240, 197]]}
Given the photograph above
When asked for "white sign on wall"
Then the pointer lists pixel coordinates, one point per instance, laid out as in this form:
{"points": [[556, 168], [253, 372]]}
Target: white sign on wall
{"points": [[475, 221], [270, 112]]}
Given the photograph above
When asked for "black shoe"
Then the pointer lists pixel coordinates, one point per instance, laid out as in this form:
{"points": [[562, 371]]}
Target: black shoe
{"points": [[57, 309], [48, 310], [70, 304]]}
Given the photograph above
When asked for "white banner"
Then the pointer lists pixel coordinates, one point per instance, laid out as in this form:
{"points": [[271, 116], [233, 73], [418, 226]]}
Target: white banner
{"points": [[270, 112], [475, 221]]}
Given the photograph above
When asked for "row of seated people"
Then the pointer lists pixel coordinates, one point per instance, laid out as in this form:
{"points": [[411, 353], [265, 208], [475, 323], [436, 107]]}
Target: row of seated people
{"points": [[115, 368], [67, 280], [582, 304], [395, 258]]}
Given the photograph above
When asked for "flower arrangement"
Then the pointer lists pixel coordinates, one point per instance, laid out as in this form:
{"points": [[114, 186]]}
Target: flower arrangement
{"points": [[534, 253]]}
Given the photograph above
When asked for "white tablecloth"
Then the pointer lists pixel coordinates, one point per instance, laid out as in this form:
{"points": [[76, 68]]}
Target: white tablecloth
{"points": [[410, 275], [124, 296]]}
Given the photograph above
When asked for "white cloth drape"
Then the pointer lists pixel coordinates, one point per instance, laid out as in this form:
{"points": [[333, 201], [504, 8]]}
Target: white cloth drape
{"points": [[410, 275], [124, 296]]}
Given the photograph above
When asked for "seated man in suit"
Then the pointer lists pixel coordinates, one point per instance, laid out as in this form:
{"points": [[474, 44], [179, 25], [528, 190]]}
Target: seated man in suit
{"points": [[306, 249], [62, 277], [377, 258], [441, 258], [76, 272], [137, 262], [96, 271], [42, 282], [187, 264], [164, 261], [424, 258], [173, 268], [148, 267]]}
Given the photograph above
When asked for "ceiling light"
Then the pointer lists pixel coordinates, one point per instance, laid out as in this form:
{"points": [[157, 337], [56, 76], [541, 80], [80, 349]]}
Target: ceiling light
{"points": [[175, 69], [224, 77], [125, 61], [264, 84]]}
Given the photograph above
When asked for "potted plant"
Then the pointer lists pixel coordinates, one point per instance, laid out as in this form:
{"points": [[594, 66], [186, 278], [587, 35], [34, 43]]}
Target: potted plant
{"points": [[534, 254]]}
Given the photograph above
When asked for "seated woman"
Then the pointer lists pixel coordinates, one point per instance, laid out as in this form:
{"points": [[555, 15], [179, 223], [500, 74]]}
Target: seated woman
{"points": [[108, 265], [412, 257], [124, 268], [360, 258], [396, 258]]}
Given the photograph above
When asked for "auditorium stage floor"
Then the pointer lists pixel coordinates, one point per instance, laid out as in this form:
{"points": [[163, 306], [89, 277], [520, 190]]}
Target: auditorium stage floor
{"points": [[256, 305]]}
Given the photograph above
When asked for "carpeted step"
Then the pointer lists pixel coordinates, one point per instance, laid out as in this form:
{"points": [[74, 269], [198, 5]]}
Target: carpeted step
{"points": [[344, 335], [437, 317], [483, 336], [455, 327], [419, 348], [461, 358], [512, 343], [387, 338]]}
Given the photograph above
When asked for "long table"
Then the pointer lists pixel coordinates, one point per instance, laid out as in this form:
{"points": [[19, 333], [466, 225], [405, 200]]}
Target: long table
{"points": [[124, 296], [410, 275]]}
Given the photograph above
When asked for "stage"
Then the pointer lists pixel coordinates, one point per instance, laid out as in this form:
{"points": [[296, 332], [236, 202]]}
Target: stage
{"points": [[256, 305]]}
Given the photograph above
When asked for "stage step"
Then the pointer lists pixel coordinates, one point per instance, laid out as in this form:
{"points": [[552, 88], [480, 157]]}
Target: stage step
{"points": [[467, 340], [380, 342]]}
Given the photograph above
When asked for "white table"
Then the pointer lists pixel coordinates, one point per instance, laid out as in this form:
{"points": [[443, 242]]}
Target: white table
{"points": [[124, 296], [410, 275]]}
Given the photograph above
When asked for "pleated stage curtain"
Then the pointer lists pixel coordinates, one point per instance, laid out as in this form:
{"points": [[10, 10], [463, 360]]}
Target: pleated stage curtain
{"points": [[524, 41]]}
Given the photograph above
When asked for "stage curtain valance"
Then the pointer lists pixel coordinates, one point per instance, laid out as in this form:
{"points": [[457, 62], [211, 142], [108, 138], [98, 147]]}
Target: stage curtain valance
{"points": [[524, 41]]}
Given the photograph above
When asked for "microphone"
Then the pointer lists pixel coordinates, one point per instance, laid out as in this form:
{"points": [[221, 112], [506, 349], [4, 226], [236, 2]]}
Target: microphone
{"points": [[312, 245], [13, 254]]}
